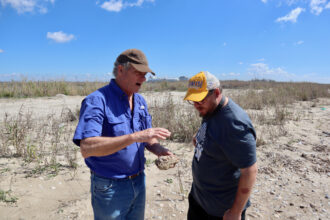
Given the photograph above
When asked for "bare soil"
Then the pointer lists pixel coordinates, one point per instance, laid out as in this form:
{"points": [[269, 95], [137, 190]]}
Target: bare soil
{"points": [[293, 180]]}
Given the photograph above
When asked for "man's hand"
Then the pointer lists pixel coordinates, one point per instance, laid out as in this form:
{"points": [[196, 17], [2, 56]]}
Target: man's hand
{"points": [[194, 140], [159, 150], [164, 152], [151, 133], [229, 215]]}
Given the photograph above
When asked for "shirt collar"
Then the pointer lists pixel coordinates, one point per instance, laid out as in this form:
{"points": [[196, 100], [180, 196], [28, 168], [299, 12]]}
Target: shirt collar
{"points": [[120, 93], [116, 89]]}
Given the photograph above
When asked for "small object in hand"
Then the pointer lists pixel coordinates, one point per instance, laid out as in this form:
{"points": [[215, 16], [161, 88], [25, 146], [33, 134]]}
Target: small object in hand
{"points": [[166, 162]]}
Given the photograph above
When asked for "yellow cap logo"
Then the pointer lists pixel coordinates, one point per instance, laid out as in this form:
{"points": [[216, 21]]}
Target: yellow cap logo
{"points": [[197, 88]]}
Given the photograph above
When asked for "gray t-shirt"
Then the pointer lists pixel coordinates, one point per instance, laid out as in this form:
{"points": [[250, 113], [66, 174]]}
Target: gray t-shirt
{"points": [[226, 142]]}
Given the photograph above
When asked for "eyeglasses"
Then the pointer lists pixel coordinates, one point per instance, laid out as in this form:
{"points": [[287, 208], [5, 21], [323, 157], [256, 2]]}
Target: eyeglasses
{"points": [[203, 101]]}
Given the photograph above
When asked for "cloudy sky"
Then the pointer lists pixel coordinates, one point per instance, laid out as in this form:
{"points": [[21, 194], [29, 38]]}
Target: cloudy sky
{"points": [[282, 40]]}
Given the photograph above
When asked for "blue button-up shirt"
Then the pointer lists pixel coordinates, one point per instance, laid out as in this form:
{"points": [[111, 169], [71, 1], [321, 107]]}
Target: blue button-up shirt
{"points": [[106, 112]]}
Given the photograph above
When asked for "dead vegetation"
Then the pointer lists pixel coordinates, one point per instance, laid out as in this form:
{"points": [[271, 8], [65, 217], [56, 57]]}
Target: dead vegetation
{"points": [[44, 145]]}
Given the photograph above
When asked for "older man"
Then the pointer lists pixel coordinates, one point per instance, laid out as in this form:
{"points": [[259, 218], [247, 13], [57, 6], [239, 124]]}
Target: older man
{"points": [[113, 130], [224, 165]]}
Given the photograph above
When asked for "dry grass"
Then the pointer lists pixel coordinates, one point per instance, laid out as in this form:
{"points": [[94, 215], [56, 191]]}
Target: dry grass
{"points": [[296, 91], [182, 120], [43, 142], [24, 89]]}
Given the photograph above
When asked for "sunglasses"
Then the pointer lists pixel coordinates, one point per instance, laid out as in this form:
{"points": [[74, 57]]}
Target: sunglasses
{"points": [[203, 101]]}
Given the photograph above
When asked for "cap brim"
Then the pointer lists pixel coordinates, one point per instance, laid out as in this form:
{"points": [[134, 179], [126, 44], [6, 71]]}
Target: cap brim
{"points": [[142, 68], [195, 96]]}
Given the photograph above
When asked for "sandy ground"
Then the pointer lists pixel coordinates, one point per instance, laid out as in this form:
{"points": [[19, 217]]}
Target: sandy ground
{"points": [[293, 180]]}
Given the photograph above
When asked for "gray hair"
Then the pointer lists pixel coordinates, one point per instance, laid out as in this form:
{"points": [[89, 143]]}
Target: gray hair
{"points": [[116, 64]]}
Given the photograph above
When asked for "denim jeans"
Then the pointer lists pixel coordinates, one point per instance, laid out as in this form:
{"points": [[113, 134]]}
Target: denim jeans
{"points": [[118, 198]]}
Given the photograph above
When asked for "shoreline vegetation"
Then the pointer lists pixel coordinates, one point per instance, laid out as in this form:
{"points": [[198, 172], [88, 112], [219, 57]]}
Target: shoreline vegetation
{"points": [[299, 91], [267, 103]]}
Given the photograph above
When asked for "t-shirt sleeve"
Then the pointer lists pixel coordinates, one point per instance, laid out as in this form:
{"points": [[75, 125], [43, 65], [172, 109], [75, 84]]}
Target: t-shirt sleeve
{"points": [[90, 119], [240, 147]]}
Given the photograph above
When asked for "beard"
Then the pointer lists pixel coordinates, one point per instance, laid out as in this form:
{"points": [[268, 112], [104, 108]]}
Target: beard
{"points": [[207, 112]]}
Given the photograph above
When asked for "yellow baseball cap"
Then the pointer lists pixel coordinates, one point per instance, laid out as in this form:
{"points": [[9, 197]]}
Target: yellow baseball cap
{"points": [[199, 85]]}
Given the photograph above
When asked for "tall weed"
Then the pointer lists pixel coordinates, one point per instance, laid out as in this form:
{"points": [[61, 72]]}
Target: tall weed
{"points": [[182, 120]]}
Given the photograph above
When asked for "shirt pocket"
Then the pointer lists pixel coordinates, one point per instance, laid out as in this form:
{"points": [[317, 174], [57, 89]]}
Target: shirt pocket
{"points": [[144, 120], [116, 126]]}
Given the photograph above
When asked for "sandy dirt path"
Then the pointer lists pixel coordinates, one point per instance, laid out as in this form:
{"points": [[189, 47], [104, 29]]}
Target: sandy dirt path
{"points": [[293, 180]]}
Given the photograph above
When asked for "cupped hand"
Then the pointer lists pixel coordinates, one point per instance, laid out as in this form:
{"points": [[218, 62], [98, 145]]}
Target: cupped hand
{"points": [[151, 133]]}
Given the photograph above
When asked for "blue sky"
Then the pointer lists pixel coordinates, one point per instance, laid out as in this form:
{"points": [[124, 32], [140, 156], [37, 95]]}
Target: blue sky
{"points": [[282, 40]]}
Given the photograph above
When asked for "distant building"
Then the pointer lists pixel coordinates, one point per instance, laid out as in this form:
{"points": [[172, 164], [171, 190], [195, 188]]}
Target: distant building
{"points": [[156, 79], [183, 78]]}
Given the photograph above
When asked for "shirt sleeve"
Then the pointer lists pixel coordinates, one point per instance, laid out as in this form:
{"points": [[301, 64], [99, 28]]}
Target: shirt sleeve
{"points": [[240, 147], [90, 119]]}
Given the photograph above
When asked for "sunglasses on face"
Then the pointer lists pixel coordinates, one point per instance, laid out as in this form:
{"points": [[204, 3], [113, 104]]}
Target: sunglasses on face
{"points": [[203, 101]]}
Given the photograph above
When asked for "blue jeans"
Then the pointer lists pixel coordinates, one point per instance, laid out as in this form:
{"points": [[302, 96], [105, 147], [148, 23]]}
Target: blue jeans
{"points": [[118, 198]]}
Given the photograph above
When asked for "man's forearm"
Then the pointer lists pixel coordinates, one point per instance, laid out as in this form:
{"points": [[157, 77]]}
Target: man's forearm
{"points": [[246, 182], [103, 146]]}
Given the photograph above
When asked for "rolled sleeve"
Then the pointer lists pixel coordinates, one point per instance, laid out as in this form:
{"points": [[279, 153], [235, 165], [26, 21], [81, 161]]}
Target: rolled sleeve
{"points": [[90, 120]]}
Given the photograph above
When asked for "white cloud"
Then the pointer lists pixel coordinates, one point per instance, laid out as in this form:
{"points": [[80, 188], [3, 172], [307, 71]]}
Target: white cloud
{"points": [[118, 5], [314, 77], [224, 44], [60, 37], [22, 6], [292, 16], [138, 3], [299, 42], [1, 51], [240, 63], [262, 70], [327, 6], [231, 74], [113, 5], [11, 76], [234, 74], [317, 6], [291, 2], [264, 1], [261, 59]]}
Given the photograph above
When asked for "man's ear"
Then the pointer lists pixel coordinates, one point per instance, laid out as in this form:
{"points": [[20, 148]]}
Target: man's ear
{"points": [[120, 68], [217, 92]]}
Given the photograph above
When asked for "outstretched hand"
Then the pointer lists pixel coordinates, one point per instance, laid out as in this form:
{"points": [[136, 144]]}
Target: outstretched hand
{"points": [[165, 152], [151, 133], [194, 140]]}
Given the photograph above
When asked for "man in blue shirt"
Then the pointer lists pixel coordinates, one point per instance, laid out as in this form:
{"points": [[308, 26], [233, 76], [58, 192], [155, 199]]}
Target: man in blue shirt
{"points": [[113, 130], [224, 166]]}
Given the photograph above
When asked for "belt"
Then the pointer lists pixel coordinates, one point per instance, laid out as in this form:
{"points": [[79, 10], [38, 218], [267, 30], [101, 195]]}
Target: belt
{"points": [[128, 177], [133, 176]]}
